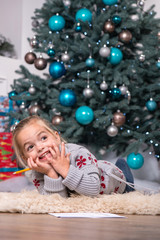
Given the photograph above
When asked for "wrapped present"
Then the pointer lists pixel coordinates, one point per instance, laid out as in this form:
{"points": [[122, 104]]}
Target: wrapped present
{"points": [[7, 164]]}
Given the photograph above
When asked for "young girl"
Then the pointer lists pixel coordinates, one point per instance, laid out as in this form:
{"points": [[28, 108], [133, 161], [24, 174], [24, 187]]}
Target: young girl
{"points": [[60, 167]]}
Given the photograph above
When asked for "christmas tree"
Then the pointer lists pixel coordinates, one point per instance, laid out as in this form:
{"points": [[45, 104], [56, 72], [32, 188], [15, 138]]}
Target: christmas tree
{"points": [[101, 86], [6, 48]]}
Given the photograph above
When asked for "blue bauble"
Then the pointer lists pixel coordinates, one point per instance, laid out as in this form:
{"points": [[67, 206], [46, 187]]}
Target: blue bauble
{"points": [[90, 62], [51, 52], [57, 70], [24, 96], [84, 15], [56, 23], [12, 94], [158, 64], [135, 161], [78, 28], [115, 93], [84, 115], [110, 2], [116, 19], [67, 98], [151, 105], [116, 56]]}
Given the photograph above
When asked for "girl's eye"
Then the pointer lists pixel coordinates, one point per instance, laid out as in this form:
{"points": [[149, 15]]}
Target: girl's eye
{"points": [[44, 138], [29, 148]]}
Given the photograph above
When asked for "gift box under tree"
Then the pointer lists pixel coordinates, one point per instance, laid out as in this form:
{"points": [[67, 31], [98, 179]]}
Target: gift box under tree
{"points": [[8, 165]]}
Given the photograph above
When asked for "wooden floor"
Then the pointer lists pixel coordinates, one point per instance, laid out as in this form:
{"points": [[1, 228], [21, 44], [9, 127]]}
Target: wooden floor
{"points": [[43, 226]]}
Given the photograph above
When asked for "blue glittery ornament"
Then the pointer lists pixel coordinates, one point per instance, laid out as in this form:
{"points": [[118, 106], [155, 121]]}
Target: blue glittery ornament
{"points": [[57, 70], [84, 15], [116, 56], [12, 94], [84, 115], [151, 105], [158, 64], [135, 161], [67, 98], [115, 93], [90, 62], [51, 52], [116, 19], [110, 2], [56, 23]]}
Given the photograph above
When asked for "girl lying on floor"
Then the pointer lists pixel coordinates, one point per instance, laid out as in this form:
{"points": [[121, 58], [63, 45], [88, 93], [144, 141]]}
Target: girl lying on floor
{"points": [[60, 167]]}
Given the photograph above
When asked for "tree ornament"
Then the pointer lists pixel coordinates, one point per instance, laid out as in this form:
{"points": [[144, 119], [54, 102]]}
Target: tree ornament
{"points": [[104, 51], [67, 98], [34, 42], [33, 109], [83, 14], [84, 115], [123, 89], [119, 118], [30, 57], [12, 94], [142, 58], [22, 106], [57, 70], [88, 92], [23, 96], [51, 52], [32, 90], [158, 35], [128, 95], [135, 161], [35, 23], [78, 27], [108, 27], [158, 64], [103, 86], [57, 119], [141, 3], [116, 56], [110, 2], [151, 105], [116, 19], [115, 93], [90, 62], [112, 130], [40, 63], [65, 57], [56, 23], [125, 36], [67, 3]]}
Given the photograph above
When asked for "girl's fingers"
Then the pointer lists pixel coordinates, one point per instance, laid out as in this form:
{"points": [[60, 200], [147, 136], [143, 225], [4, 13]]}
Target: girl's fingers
{"points": [[56, 149], [62, 149]]}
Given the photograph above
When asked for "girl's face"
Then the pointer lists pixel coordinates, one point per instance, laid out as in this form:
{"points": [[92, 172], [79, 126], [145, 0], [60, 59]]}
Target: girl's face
{"points": [[35, 140]]}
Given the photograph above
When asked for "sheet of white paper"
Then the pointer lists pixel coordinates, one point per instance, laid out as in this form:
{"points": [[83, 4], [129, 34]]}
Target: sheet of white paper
{"points": [[86, 215]]}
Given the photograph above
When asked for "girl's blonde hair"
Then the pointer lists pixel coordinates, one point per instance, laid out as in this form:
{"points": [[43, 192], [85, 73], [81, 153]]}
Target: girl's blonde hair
{"points": [[23, 123]]}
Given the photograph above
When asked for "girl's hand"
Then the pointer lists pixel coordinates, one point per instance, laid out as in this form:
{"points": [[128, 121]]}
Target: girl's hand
{"points": [[42, 167], [60, 161]]}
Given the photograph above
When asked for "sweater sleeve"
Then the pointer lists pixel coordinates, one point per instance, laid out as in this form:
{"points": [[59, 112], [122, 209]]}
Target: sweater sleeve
{"points": [[83, 176], [46, 185]]}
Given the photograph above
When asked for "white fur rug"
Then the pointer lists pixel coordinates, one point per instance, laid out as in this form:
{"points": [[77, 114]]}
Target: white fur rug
{"points": [[33, 202]]}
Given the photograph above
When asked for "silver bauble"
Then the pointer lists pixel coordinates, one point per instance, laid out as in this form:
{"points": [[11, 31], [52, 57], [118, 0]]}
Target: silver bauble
{"points": [[67, 3], [104, 51], [103, 86], [112, 130], [34, 42], [33, 110], [65, 57], [22, 106], [32, 90], [142, 58], [88, 92], [123, 89]]}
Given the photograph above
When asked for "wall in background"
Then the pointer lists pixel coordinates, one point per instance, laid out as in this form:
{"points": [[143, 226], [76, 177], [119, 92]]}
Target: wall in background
{"points": [[16, 25]]}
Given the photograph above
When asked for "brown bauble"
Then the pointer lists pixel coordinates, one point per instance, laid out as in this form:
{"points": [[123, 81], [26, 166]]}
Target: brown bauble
{"points": [[40, 63], [56, 120], [108, 27], [33, 110], [119, 119], [30, 57], [125, 36]]}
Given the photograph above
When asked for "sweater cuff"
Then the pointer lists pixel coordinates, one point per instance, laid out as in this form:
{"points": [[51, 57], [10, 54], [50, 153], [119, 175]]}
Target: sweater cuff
{"points": [[73, 178], [53, 185]]}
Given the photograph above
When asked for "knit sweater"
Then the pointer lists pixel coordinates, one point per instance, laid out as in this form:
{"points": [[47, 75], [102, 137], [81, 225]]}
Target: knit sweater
{"points": [[86, 176]]}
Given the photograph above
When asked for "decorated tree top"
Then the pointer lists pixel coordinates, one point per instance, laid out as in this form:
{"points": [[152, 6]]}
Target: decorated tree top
{"points": [[101, 86]]}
